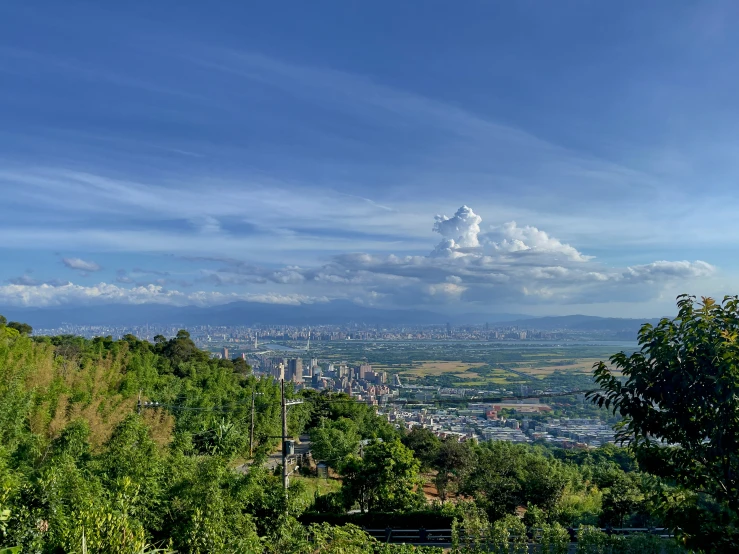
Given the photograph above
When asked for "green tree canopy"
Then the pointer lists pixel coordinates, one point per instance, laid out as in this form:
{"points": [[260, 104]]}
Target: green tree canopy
{"points": [[679, 398], [385, 479], [332, 441], [453, 462], [22, 328], [425, 445]]}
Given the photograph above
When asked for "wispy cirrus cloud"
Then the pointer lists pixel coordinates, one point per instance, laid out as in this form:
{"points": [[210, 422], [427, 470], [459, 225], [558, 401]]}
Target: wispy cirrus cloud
{"points": [[321, 180]]}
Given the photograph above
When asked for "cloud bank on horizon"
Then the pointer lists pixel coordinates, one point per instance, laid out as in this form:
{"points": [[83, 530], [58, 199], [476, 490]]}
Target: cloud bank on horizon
{"points": [[506, 264]]}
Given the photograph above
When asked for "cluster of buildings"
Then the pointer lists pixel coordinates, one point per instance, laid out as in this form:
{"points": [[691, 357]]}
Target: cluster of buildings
{"points": [[360, 382], [483, 422], [243, 336]]}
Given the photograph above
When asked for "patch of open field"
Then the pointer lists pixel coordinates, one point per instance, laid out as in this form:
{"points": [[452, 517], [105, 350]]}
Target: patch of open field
{"points": [[579, 366], [459, 369]]}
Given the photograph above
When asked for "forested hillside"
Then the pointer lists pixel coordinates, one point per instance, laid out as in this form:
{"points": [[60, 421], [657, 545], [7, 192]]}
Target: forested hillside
{"points": [[78, 456], [87, 463]]}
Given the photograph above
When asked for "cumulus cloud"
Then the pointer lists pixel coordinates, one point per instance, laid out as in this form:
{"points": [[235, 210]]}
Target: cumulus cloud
{"points": [[506, 265], [512, 238], [509, 264], [462, 236], [462, 229], [81, 265]]}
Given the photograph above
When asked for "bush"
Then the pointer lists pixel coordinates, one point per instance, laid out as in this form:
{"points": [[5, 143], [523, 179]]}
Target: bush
{"points": [[509, 535], [591, 540], [554, 539], [331, 503]]}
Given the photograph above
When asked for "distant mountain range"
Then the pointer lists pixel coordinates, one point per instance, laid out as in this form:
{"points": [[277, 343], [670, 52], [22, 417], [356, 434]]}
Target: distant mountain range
{"points": [[336, 312], [584, 323], [239, 313]]}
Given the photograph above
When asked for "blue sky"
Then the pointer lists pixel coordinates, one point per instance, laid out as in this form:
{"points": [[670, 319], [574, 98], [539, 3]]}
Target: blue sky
{"points": [[299, 152]]}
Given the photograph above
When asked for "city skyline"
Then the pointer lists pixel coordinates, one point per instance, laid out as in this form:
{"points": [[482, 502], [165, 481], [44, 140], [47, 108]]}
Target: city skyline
{"points": [[453, 159]]}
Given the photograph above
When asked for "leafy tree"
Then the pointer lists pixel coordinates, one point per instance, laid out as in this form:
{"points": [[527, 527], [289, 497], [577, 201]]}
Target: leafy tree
{"points": [[679, 398], [22, 328], [132, 458], [554, 539], [3, 321], [453, 462], [181, 349], [543, 481], [495, 481], [620, 500], [425, 445], [333, 441], [385, 479], [333, 406], [241, 367]]}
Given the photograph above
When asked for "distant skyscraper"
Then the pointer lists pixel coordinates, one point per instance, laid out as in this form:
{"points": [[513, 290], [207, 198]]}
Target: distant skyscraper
{"points": [[224, 353], [363, 369], [449, 329], [295, 370], [278, 371]]}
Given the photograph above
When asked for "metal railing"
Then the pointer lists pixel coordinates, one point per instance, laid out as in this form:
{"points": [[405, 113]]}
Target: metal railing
{"points": [[444, 536]]}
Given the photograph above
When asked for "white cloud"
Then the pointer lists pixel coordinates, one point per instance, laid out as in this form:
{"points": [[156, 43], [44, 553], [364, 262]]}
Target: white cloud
{"points": [[45, 295], [668, 270], [512, 238], [463, 228], [510, 265], [80, 264]]}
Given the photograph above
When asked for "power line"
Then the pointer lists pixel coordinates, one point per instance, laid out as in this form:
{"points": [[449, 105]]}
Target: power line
{"points": [[405, 401]]}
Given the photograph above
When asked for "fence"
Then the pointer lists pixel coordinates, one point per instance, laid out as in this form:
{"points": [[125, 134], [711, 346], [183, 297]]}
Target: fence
{"points": [[444, 536]]}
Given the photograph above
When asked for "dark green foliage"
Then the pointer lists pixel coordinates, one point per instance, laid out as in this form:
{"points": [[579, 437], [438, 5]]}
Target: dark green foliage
{"points": [[181, 349], [382, 480], [454, 460], [679, 399], [425, 445], [22, 328], [506, 475], [241, 367]]}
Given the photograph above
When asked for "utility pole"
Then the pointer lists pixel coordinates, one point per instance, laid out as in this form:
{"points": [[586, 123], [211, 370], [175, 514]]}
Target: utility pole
{"points": [[285, 405], [251, 433], [284, 438]]}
